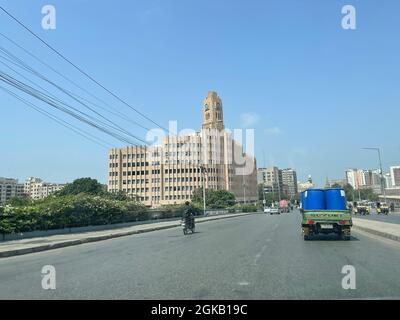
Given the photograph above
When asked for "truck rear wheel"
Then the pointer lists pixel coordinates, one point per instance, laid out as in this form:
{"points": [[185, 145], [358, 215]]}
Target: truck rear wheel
{"points": [[306, 233], [345, 234]]}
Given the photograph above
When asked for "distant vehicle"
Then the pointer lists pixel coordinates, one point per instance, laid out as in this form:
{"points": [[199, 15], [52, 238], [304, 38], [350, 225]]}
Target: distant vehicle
{"points": [[275, 211], [284, 206], [272, 210], [362, 208], [382, 208], [267, 210]]}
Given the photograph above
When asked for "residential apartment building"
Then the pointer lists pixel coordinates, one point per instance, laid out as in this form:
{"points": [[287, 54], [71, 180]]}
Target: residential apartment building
{"points": [[388, 180], [36, 188], [395, 176], [168, 173], [289, 179], [356, 178], [335, 182], [10, 188], [279, 181], [271, 178], [359, 179]]}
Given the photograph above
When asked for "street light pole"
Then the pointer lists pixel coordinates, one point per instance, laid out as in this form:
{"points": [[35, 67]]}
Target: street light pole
{"points": [[244, 189], [383, 190], [263, 184], [204, 176], [204, 197]]}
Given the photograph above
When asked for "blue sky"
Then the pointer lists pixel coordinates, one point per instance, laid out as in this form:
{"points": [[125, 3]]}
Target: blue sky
{"points": [[314, 93]]}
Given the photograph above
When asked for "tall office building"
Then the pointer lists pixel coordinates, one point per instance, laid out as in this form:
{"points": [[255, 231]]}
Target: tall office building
{"points": [[168, 173]]}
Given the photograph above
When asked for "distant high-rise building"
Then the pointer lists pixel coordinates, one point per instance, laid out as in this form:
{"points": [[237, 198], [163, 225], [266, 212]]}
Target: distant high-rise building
{"points": [[168, 173], [335, 182], [395, 175], [356, 178], [289, 179], [388, 180], [10, 188], [271, 178]]}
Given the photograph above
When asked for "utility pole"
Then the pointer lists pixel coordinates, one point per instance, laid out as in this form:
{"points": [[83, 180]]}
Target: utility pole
{"points": [[204, 197], [358, 188], [203, 171], [383, 190], [279, 187], [244, 190], [263, 185]]}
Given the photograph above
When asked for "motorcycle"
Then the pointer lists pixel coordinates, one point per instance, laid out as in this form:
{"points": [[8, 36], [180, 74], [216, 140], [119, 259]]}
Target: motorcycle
{"points": [[187, 226]]}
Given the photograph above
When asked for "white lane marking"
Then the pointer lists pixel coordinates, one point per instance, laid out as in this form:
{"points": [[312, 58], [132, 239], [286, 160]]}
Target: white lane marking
{"points": [[243, 283], [258, 255]]}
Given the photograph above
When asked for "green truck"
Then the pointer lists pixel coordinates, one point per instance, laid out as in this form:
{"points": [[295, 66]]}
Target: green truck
{"points": [[325, 222]]}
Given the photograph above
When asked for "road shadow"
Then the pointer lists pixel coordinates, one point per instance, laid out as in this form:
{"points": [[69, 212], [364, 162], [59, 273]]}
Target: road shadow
{"points": [[331, 237], [179, 235]]}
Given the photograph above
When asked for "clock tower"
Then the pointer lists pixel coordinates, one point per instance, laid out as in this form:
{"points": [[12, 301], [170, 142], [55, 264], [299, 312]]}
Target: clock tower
{"points": [[213, 117]]}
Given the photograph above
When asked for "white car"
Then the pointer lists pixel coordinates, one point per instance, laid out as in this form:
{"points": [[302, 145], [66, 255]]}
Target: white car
{"points": [[267, 210], [272, 210]]}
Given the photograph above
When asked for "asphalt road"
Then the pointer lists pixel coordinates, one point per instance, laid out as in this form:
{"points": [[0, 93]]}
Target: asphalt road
{"points": [[392, 217], [254, 257]]}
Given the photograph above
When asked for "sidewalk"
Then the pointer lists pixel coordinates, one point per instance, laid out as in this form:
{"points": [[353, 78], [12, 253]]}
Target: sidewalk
{"points": [[383, 229], [24, 246]]}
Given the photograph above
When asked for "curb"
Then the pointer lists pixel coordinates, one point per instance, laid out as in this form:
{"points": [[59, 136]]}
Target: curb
{"points": [[68, 243], [378, 233]]}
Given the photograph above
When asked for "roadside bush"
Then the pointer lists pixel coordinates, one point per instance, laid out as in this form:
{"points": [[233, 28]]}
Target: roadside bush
{"points": [[70, 211], [247, 207]]}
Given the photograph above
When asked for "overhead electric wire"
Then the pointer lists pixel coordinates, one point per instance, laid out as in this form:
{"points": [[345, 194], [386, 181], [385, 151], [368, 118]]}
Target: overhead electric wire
{"points": [[37, 85], [57, 100], [114, 111], [65, 124], [38, 74], [45, 98], [80, 69]]}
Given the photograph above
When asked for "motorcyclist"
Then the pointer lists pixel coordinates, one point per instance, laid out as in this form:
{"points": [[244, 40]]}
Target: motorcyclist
{"points": [[188, 215]]}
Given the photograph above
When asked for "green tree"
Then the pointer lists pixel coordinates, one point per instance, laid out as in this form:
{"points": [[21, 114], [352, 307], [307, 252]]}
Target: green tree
{"points": [[82, 185], [363, 194], [119, 195], [369, 194], [215, 199], [349, 192], [19, 201]]}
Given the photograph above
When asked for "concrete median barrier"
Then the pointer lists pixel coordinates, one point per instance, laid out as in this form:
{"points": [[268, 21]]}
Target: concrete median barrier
{"points": [[382, 229]]}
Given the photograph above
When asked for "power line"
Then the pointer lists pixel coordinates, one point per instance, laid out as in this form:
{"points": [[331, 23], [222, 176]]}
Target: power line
{"points": [[38, 74], [48, 94], [65, 124], [79, 69], [115, 112], [47, 99]]}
